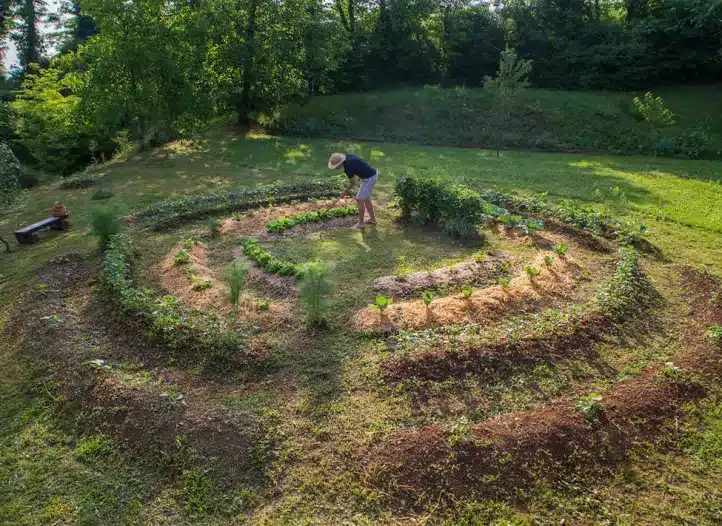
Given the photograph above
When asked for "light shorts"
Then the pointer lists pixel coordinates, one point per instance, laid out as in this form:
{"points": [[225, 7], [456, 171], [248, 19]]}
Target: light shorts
{"points": [[364, 193]]}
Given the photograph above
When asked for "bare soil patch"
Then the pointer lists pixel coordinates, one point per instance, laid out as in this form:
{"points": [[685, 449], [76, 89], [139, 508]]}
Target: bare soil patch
{"points": [[522, 295]]}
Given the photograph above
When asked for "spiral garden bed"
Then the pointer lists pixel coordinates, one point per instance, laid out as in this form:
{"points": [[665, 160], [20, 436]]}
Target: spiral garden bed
{"points": [[505, 341]]}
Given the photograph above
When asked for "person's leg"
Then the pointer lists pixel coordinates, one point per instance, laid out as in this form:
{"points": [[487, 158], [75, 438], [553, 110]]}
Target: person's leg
{"points": [[361, 212], [370, 208]]}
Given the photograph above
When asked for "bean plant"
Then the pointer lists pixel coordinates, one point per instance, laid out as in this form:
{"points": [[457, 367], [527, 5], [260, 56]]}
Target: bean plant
{"points": [[561, 249], [590, 406], [467, 291], [548, 261], [428, 298]]}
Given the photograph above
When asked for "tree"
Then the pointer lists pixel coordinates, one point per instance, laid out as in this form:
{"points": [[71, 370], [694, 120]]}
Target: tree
{"points": [[510, 80], [29, 14], [77, 26], [657, 116]]}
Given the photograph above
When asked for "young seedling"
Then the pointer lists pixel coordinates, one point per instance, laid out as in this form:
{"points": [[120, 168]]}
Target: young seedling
{"points": [[428, 298], [467, 291], [532, 272], [505, 268], [480, 257], [548, 260], [504, 282], [181, 258], [590, 406], [714, 335], [402, 269], [214, 226], [561, 249], [382, 303]]}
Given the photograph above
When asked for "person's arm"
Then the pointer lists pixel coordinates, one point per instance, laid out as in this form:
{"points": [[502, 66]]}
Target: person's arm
{"points": [[351, 184]]}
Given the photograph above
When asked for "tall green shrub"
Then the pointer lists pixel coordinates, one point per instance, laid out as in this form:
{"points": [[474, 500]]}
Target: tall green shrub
{"points": [[105, 223], [656, 114], [313, 291], [236, 280]]}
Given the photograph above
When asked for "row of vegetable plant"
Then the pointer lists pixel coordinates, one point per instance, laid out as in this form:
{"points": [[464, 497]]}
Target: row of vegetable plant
{"points": [[287, 222], [253, 251], [168, 213], [177, 327]]}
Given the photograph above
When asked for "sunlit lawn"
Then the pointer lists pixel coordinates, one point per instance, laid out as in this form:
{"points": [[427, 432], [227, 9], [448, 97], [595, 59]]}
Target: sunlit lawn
{"points": [[679, 200]]}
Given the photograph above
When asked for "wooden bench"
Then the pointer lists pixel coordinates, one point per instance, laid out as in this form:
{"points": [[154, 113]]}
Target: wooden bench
{"points": [[27, 235]]}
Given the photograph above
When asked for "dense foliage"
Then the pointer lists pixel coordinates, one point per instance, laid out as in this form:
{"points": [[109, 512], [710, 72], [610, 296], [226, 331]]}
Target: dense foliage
{"points": [[455, 207], [169, 212], [284, 223], [150, 71], [178, 328], [627, 291], [10, 174]]}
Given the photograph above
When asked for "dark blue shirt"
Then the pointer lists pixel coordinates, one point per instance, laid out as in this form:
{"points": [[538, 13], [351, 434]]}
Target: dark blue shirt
{"points": [[355, 166]]}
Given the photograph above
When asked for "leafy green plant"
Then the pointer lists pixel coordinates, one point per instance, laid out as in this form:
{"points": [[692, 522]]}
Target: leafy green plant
{"points": [[53, 320], [627, 290], [561, 249], [402, 269], [504, 282], [382, 303], [187, 244], [101, 193], [532, 272], [254, 252], [80, 180], [285, 223], [680, 377], [313, 291], [590, 406], [467, 291], [548, 261], [105, 223], [262, 305], [182, 257], [460, 432], [214, 227], [428, 298], [236, 281], [201, 283], [693, 143], [480, 257], [714, 335], [236, 216], [505, 268], [170, 212]]}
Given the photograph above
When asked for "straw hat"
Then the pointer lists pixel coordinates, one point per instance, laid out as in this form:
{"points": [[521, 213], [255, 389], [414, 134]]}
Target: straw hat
{"points": [[336, 160]]}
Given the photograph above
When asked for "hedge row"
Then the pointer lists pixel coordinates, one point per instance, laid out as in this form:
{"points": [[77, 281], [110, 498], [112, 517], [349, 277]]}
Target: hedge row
{"points": [[169, 212], [568, 213], [458, 209], [177, 327], [285, 223]]}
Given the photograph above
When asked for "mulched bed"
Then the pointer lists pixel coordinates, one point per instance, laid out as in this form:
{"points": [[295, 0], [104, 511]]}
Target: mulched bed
{"points": [[477, 274], [517, 450]]}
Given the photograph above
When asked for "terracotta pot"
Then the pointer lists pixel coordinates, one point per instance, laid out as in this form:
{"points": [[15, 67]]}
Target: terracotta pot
{"points": [[59, 210]]}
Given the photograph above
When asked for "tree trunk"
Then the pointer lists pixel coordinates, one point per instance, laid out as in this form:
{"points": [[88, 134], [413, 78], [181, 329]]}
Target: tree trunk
{"points": [[244, 106]]}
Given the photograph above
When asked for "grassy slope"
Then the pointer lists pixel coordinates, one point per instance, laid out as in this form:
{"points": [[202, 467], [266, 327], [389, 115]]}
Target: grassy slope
{"points": [[679, 200], [542, 119]]}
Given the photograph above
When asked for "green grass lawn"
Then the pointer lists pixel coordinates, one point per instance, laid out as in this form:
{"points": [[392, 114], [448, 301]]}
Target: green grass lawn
{"points": [[678, 200], [541, 119]]}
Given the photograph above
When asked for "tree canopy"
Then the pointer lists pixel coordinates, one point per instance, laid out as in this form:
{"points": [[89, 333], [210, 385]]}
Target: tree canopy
{"points": [[152, 70]]}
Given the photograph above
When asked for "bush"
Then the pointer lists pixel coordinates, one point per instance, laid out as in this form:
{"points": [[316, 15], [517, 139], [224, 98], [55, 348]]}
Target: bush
{"points": [[627, 289], [169, 212], [101, 194], [105, 223], [80, 180], [10, 175], [313, 291], [693, 143], [176, 327], [455, 207]]}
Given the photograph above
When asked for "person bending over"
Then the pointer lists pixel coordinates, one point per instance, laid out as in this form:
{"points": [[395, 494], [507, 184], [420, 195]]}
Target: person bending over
{"points": [[356, 168]]}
